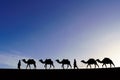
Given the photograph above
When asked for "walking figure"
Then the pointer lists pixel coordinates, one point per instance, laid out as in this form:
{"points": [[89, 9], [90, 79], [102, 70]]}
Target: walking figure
{"points": [[19, 64], [75, 64]]}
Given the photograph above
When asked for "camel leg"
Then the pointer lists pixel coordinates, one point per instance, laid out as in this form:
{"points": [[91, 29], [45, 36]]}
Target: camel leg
{"points": [[67, 66], [53, 66], [70, 66], [105, 65], [98, 65], [29, 66], [95, 65], [34, 66], [26, 66], [62, 66], [50, 66], [110, 65], [45, 66], [90, 66], [87, 66], [113, 64]]}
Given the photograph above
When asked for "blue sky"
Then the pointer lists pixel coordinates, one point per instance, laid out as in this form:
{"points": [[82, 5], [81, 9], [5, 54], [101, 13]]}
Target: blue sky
{"points": [[58, 29]]}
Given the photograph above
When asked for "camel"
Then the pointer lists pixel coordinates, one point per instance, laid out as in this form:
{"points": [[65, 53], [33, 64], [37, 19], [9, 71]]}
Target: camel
{"points": [[90, 62], [47, 62], [106, 61], [29, 62], [63, 62]]}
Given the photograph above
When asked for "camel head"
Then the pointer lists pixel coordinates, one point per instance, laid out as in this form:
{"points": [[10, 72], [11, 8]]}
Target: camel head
{"points": [[83, 61], [57, 60], [24, 60], [41, 61], [98, 60]]}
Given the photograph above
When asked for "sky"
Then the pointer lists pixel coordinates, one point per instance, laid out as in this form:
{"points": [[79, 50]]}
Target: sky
{"points": [[58, 29]]}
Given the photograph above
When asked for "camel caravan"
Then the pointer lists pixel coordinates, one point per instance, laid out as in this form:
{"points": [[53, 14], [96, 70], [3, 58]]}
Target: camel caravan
{"points": [[46, 62]]}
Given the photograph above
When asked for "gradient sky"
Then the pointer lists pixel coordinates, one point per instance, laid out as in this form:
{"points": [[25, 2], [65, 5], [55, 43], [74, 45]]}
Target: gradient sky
{"points": [[58, 29]]}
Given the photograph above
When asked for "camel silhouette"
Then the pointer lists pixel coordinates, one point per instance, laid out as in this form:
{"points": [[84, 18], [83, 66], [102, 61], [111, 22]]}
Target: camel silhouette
{"points": [[106, 61], [47, 62], [29, 62], [63, 62], [90, 62]]}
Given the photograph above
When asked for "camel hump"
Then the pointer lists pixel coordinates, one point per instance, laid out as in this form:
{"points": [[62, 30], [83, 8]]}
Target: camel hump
{"points": [[65, 59], [48, 59], [30, 59], [92, 60], [107, 60]]}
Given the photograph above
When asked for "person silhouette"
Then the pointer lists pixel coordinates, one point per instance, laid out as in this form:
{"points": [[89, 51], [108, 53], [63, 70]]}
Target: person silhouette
{"points": [[19, 64], [75, 64]]}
